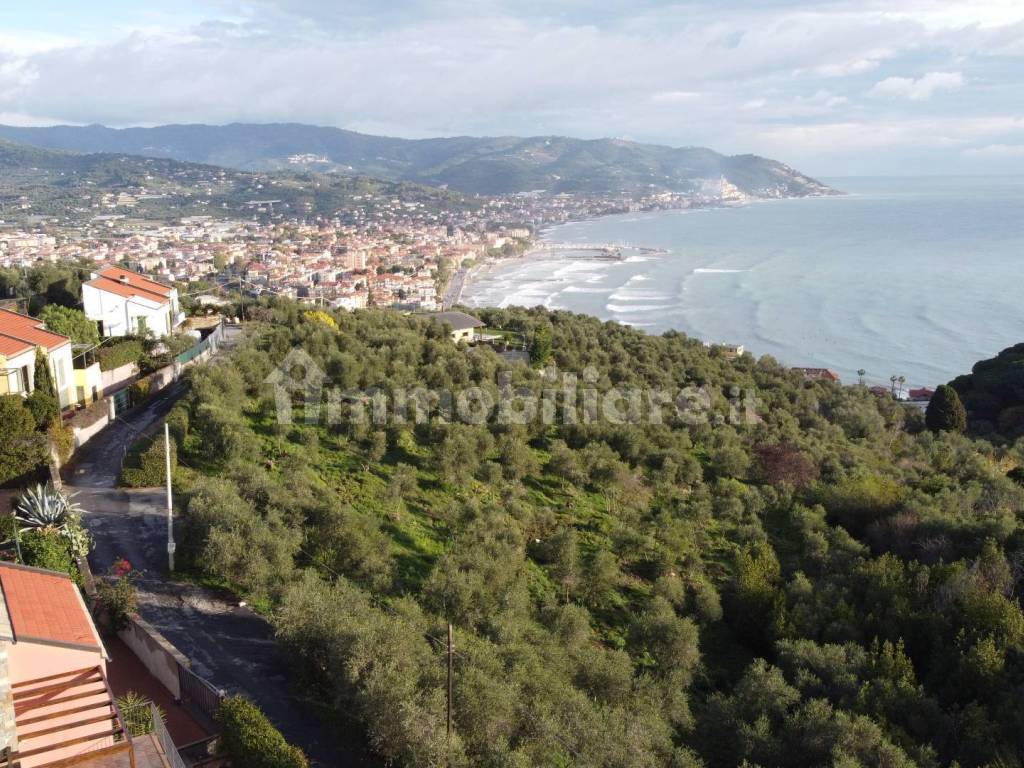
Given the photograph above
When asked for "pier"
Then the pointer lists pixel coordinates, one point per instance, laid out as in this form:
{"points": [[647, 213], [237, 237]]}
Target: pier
{"points": [[608, 250]]}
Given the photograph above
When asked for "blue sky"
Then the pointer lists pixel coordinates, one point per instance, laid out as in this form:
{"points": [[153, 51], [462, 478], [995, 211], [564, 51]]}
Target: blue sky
{"points": [[843, 87]]}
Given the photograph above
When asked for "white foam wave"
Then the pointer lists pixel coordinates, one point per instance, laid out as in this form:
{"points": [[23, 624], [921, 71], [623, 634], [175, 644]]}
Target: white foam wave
{"points": [[624, 295], [617, 308]]}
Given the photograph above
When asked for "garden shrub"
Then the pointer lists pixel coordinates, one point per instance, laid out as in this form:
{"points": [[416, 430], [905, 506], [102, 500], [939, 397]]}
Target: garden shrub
{"points": [[121, 353], [138, 392], [177, 420], [49, 549], [250, 739], [62, 438], [118, 598], [150, 471]]}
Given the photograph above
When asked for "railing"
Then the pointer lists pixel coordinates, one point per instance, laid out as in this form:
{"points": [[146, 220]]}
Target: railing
{"points": [[198, 692], [210, 342], [164, 738]]}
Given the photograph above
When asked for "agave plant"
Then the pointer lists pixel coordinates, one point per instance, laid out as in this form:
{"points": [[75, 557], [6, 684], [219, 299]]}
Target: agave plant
{"points": [[45, 508]]}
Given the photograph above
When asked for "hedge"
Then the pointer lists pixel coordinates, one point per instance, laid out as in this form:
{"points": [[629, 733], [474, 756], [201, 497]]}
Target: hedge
{"points": [[249, 739], [149, 469], [121, 353]]}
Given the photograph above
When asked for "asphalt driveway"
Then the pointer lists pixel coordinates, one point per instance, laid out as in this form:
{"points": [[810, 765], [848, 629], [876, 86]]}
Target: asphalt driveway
{"points": [[230, 646]]}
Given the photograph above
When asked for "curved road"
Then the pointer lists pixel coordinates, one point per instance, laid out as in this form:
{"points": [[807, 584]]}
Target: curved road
{"points": [[230, 646]]}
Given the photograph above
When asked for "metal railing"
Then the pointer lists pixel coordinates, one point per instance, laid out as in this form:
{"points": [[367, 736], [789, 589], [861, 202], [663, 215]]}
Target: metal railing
{"points": [[198, 692], [210, 342], [164, 739]]}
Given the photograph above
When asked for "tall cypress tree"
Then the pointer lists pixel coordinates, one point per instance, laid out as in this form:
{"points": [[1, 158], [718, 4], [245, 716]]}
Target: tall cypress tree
{"points": [[945, 412], [43, 401]]}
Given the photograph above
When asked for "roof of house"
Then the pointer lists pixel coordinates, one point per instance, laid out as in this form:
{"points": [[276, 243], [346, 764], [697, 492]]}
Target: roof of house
{"points": [[124, 282], [819, 373], [44, 607], [21, 333], [459, 321]]}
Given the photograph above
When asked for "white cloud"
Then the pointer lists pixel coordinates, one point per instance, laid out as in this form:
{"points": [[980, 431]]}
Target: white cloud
{"points": [[921, 89], [786, 77], [675, 97], [996, 151], [934, 133]]}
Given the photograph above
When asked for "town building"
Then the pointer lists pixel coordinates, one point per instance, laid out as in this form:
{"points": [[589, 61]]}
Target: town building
{"points": [[56, 706], [818, 374], [20, 337], [463, 326], [125, 302]]}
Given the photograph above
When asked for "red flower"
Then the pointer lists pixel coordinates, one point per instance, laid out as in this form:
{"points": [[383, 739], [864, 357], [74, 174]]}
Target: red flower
{"points": [[122, 567]]}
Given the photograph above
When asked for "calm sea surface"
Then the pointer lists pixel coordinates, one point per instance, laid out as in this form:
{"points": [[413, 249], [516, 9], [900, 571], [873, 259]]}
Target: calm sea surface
{"points": [[913, 277]]}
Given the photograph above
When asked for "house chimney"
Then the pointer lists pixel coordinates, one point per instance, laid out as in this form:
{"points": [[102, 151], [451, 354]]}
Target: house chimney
{"points": [[123, 279]]}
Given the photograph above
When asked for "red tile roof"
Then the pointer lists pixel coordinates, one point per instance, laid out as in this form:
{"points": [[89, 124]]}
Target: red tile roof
{"points": [[20, 333], [136, 280], [45, 607], [128, 284]]}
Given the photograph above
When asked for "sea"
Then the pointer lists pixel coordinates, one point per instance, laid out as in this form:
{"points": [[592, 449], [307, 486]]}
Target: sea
{"points": [[913, 277]]}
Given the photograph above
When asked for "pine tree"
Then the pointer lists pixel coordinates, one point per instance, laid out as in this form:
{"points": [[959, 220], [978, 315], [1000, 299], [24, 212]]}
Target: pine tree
{"points": [[945, 411]]}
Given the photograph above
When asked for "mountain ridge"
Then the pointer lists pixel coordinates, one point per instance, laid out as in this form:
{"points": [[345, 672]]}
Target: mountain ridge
{"points": [[472, 165], [57, 183]]}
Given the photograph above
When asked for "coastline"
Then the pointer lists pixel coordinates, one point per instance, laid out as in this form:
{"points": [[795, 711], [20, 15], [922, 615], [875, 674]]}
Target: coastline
{"points": [[487, 265], [797, 281]]}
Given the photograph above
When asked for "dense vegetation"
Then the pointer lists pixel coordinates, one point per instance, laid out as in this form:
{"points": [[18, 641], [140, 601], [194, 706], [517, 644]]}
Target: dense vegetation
{"points": [[249, 739], [993, 394], [827, 583]]}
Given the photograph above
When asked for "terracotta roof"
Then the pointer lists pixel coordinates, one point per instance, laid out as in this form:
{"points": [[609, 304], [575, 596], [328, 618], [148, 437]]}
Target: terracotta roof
{"points": [[46, 607], [127, 291], [20, 333], [136, 280], [10, 347], [124, 282]]}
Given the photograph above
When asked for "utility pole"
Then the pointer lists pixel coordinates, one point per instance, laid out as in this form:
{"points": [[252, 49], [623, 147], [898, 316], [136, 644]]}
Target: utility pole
{"points": [[170, 506], [451, 651]]}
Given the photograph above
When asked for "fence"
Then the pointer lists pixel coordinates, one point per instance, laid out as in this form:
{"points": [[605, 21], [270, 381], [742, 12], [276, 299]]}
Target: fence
{"points": [[209, 343], [198, 692], [162, 736]]}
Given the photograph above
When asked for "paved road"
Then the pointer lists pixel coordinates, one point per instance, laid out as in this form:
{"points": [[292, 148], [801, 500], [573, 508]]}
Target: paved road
{"points": [[230, 646], [453, 294]]}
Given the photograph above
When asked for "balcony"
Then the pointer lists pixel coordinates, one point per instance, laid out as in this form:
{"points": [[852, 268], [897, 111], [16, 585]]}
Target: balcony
{"points": [[68, 719]]}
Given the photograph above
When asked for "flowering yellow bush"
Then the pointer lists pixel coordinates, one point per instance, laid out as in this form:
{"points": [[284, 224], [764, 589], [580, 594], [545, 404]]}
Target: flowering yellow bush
{"points": [[319, 316]]}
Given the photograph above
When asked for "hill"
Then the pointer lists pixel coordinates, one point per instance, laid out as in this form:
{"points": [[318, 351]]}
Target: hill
{"points": [[78, 187], [490, 165], [808, 579]]}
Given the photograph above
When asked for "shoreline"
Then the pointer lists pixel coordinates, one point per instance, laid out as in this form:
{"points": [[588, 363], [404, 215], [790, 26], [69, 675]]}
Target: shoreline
{"points": [[486, 265]]}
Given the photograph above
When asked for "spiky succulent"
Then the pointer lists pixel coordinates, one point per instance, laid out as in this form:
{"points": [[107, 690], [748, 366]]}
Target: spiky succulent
{"points": [[46, 508]]}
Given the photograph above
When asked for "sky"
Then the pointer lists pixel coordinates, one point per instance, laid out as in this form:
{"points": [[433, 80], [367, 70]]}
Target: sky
{"points": [[834, 88]]}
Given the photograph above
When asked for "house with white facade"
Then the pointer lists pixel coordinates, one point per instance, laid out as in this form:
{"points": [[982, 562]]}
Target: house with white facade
{"points": [[20, 336], [124, 302]]}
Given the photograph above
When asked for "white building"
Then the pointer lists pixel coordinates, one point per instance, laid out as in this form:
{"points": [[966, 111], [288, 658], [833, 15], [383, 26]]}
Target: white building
{"points": [[125, 302], [20, 335]]}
